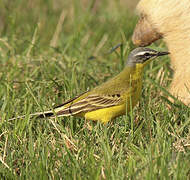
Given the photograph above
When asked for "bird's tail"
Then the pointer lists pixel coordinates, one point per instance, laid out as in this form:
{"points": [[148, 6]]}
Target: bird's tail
{"points": [[37, 115], [58, 111]]}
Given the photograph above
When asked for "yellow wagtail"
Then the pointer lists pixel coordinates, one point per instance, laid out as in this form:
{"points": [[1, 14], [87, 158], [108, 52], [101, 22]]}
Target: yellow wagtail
{"points": [[112, 98]]}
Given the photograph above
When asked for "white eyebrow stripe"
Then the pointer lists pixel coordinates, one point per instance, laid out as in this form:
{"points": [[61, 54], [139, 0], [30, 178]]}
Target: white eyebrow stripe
{"points": [[144, 52]]}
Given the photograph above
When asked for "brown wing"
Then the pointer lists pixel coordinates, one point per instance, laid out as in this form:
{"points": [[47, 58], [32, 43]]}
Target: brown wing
{"points": [[90, 103], [70, 100]]}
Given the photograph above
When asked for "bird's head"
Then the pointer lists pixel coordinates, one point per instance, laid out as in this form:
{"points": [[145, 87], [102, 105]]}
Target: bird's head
{"points": [[142, 56]]}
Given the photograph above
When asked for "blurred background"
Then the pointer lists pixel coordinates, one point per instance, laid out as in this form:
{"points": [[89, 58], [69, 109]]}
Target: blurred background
{"points": [[54, 20]]}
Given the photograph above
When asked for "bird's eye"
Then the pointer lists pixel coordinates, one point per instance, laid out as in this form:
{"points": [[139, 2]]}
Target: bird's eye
{"points": [[146, 54]]}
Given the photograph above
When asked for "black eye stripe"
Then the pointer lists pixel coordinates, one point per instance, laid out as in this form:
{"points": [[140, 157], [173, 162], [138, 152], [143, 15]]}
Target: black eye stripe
{"points": [[147, 54]]}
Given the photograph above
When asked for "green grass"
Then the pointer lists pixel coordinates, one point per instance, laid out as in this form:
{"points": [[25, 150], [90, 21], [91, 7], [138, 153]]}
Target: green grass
{"points": [[39, 71]]}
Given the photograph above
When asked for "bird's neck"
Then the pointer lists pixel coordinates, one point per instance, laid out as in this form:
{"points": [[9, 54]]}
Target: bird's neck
{"points": [[139, 68], [135, 72]]}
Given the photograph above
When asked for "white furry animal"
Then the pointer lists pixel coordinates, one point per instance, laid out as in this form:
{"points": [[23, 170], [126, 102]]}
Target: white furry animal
{"points": [[170, 20]]}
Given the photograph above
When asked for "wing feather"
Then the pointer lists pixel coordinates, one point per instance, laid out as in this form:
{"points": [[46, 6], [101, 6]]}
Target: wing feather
{"points": [[90, 103]]}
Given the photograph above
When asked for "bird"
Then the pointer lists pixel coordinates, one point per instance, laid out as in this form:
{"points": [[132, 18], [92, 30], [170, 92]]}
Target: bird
{"points": [[112, 98]]}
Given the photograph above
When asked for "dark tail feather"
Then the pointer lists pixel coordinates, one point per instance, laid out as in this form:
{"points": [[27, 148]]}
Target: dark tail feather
{"points": [[58, 111], [44, 115], [37, 115]]}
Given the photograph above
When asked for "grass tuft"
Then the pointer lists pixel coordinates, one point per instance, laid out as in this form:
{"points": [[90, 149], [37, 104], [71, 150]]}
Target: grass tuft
{"points": [[58, 50]]}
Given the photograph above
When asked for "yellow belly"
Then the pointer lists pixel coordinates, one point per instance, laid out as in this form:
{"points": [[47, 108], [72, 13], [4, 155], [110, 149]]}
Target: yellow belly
{"points": [[130, 99], [106, 114]]}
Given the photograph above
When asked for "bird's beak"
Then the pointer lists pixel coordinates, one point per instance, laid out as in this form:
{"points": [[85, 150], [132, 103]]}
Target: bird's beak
{"points": [[163, 53], [157, 55]]}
